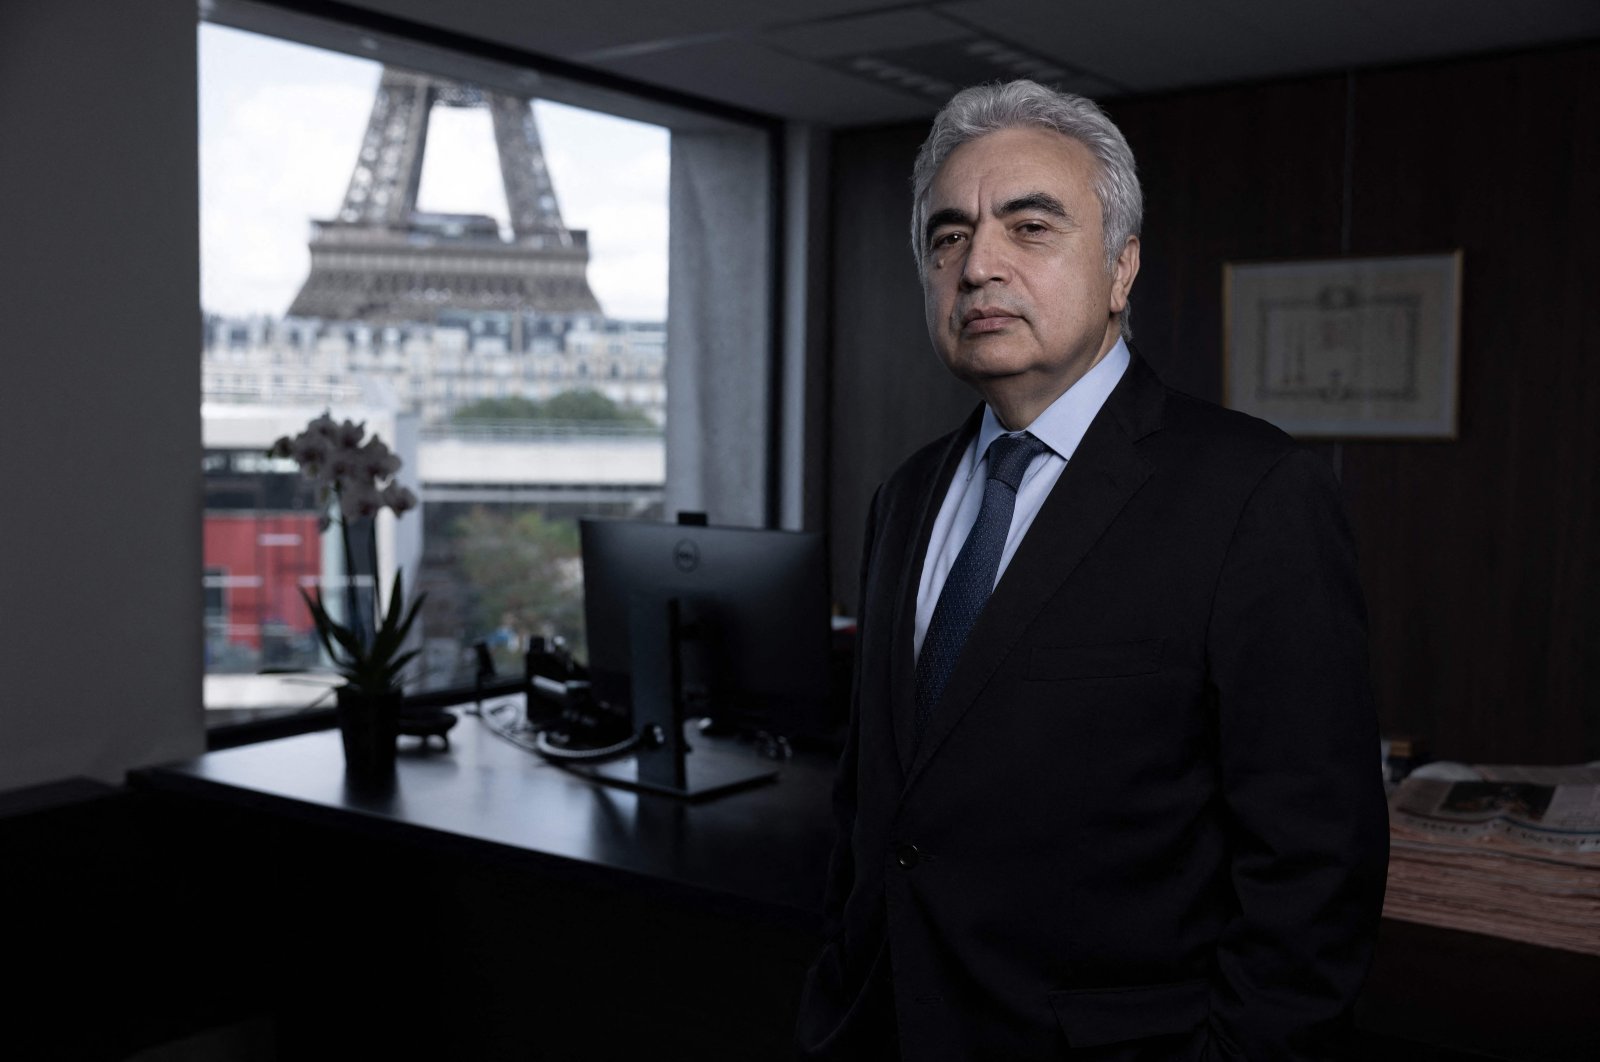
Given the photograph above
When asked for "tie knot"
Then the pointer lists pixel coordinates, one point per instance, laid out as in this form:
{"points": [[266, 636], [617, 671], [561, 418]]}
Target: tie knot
{"points": [[1010, 455]]}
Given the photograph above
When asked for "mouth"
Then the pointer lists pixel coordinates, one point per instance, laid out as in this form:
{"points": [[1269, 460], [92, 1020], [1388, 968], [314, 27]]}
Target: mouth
{"points": [[981, 319]]}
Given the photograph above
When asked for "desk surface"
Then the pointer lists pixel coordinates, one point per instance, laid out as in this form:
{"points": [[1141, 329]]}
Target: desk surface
{"points": [[762, 854], [763, 850]]}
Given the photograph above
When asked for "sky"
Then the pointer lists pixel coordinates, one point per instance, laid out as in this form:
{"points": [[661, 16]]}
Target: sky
{"points": [[280, 125]]}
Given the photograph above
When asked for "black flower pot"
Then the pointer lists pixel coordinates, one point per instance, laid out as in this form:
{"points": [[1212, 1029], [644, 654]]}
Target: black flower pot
{"points": [[369, 724]]}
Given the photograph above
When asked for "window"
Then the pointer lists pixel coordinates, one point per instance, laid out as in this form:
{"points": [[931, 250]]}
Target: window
{"points": [[449, 288]]}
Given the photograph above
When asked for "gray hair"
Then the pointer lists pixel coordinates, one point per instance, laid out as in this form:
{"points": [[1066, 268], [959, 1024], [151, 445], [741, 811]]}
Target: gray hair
{"points": [[983, 109]]}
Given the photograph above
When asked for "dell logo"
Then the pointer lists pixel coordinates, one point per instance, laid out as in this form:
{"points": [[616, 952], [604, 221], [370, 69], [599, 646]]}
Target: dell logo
{"points": [[686, 555]]}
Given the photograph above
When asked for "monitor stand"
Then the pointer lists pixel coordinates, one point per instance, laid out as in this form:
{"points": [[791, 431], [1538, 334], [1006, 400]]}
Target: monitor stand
{"points": [[667, 764]]}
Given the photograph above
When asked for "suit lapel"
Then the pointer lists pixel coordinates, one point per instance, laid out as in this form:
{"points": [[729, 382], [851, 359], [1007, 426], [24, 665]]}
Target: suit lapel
{"points": [[903, 681], [1103, 474]]}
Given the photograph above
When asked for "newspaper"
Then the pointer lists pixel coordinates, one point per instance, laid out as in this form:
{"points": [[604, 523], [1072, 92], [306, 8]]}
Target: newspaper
{"points": [[1530, 900], [1509, 851], [1552, 811]]}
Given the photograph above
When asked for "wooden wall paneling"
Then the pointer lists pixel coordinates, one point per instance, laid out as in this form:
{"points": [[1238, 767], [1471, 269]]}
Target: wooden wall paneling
{"points": [[890, 392], [1228, 174], [1480, 555]]}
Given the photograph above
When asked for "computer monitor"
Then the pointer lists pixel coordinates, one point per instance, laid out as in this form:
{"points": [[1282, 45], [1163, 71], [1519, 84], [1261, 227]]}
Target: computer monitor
{"points": [[754, 612]]}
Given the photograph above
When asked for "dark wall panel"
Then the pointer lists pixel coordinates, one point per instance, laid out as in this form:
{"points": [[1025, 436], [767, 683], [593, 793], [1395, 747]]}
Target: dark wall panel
{"points": [[890, 393], [1481, 556], [1243, 173]]}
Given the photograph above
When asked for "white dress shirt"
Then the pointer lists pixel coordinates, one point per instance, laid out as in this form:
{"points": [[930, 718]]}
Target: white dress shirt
{"points": [[1060, 427]]}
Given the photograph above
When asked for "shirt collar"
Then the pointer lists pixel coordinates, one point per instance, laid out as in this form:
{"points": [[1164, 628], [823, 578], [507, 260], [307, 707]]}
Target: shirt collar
{"points": [[1063, 423]]}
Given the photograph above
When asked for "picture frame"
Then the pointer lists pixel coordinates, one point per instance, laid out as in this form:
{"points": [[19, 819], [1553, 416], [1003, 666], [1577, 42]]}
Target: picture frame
{"points": [[1345, 348]]}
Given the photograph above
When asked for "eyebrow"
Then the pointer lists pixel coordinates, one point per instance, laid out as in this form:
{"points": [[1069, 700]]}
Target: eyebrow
{"points": [[1043, 202]]}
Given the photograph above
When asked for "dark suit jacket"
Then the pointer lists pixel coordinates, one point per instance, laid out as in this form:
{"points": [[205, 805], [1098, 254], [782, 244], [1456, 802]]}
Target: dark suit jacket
{"points": [[1146, 820]]}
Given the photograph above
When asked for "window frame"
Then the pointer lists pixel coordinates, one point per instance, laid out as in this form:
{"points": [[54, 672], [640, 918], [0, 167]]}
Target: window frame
{"points": [[385, 38]]}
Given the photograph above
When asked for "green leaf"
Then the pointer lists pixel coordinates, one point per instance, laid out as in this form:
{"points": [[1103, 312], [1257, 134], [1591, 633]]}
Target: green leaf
{"points": [[391, 637], [348, 640], [370, 669], [397, 665], [396, 596], [411, 617], [323, 623]]}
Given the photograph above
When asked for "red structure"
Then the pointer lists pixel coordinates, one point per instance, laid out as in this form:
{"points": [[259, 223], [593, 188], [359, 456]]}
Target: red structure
{"points": [[255, 565]]}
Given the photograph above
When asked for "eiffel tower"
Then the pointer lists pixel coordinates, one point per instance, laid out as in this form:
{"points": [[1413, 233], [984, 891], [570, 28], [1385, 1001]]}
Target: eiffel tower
{"points": [[381, 260]]}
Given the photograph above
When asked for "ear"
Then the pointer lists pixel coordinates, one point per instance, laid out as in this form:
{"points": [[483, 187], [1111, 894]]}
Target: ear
{"points": [[1123, 270]]}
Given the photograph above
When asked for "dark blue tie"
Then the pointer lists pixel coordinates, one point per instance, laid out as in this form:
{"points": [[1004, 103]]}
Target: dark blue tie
{"points": [[972, 576]]}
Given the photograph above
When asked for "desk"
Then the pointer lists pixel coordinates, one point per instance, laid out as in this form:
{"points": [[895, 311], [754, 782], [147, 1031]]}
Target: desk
{"points": [[662, 929], [762, 852], [533, 913]]}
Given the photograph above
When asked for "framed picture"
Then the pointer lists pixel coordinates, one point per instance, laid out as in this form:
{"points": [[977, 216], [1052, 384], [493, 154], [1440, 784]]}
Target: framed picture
{"points": [[1345, 348]]}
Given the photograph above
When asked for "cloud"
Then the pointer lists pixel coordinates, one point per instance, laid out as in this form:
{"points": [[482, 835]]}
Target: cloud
{"points": [[281, 125], [279, 157]]}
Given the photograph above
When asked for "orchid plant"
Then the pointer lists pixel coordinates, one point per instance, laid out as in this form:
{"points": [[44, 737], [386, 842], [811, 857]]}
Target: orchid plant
{"points": [[355, 479]]}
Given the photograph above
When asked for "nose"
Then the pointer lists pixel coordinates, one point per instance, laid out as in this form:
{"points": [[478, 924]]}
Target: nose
{"points": [[986, 261]]}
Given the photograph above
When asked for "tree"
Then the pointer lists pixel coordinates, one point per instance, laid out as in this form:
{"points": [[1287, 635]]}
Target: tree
{"points": [[491, 409], [524, 576], [581, 406]]}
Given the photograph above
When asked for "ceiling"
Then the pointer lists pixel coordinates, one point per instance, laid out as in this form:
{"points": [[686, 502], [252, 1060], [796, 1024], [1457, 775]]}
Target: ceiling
{"points": [[855, 62]]}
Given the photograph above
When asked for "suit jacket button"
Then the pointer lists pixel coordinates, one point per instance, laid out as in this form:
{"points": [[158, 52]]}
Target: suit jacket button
{"points": [[907, 855]]}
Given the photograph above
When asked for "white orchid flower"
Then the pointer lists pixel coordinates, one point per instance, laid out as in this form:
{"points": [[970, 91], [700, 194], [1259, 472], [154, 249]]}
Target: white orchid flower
{"points": [[380, 461], [349, 434], [399, 498], [360, 500], [324, 426], [310, 451]]}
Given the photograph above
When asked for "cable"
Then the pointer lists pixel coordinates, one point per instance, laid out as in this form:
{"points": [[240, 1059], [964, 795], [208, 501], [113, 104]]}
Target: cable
{"points": [[650, 737], [520, 733], [534, 737]]}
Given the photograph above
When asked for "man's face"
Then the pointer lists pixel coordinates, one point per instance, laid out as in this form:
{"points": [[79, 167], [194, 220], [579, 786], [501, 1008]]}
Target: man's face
{"points": [[1018, 297]]}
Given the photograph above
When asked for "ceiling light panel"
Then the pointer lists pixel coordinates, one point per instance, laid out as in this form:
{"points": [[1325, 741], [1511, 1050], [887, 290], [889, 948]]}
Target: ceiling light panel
{"points": [[837, 38], [771, 82]]}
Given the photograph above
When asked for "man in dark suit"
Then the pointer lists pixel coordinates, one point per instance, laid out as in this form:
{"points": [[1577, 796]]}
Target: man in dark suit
{"points": [[1111, 789]]}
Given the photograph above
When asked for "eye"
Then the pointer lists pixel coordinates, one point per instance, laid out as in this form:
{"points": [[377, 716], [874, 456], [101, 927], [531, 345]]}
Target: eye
{"points": [[942, 240], [1033, 228]]}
